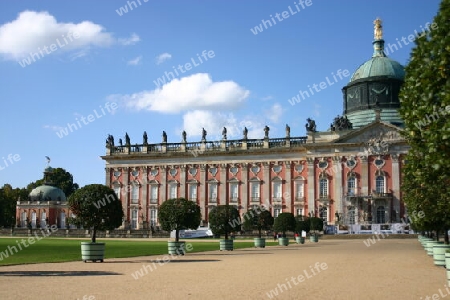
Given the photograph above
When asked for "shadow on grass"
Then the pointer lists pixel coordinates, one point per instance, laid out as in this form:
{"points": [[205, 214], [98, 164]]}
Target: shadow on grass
{"points": [[57, 273]]}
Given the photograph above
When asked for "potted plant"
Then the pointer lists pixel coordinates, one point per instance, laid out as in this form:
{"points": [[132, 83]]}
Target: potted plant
{"points": [[316, 225], [224, 219], [96, 207], [178, 214], [302, 224], [255, 219], [284, 222]]}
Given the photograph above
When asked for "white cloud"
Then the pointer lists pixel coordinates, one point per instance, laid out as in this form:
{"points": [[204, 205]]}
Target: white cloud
{"points": [[163, 57], [133, 39], [33, 30], [197, 91], [136, 61], [274, 113], [53, 127]]}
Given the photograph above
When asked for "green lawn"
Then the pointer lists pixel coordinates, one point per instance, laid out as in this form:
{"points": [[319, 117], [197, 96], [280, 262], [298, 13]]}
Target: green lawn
{"points": [[61, 250]]}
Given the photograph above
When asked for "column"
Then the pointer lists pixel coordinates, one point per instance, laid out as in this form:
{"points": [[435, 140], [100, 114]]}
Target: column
{"points": [[364, 175], [183, 181], [163, 188], [266, 197], [202, 190], [126, 195], [396, 186], [338, 192], [311, 185], [287, 194], [144, 200], [244, 186], [223, 184]]}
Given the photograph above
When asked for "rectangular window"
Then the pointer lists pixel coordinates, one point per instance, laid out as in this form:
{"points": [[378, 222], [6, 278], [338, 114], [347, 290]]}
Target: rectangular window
{"points": [[153, 193], [134, 193], [276, 212], [255, 186], [299, 211], [23, 220], [117, 190], [43, 219], [234, 194], [351, 186], [193, 192], [62, 220], [299, 190], [323, 188], [33, 219], [379, 184], [212, 192], [134, 219], [153, 216], [277, 193], [172, 190]]}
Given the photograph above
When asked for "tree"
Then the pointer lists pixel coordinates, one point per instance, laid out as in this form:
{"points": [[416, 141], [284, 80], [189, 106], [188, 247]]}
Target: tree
{"points": [[316, 224], [425, 109], [178, 214], [97, 207], [302, 224], [224, 219], [255, 219], [8, 201], [61, 179], [284, 222]]}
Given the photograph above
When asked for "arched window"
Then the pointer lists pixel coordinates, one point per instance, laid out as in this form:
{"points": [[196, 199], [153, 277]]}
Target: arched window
{"points": [[134, 192], [134, 219], [381, 215], [351, 215]]}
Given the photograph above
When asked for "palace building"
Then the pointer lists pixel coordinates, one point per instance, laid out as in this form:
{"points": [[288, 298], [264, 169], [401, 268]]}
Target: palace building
{"points": [[349, 174]]}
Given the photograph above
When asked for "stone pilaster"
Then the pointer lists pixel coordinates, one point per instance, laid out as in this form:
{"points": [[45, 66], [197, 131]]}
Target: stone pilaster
{"points": [[266, 195], [163, 191], [338, 192], [144, 200], [223, 184], [183, 181], [202, 190], [126, 195], [244, 186], [312, 185], [396, 185], [363, 160], [288, 196]]}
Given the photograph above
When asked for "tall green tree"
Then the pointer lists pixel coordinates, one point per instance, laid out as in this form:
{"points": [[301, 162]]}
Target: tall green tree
{"points": [[224, 219], [178, 214], [8, 199], [425, 109], [96, 207], [61, 179]]}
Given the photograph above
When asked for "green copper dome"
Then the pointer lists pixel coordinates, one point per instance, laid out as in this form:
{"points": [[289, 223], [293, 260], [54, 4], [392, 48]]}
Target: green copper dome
{"points": [[47, 193], [379, 65]]}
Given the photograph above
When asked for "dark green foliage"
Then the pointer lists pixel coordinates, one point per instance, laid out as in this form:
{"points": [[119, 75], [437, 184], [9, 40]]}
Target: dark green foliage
{"points": [[8, 201], [284, 222], [61, 179], [224, 219], [178, 214], [316, 224], [97, 207], [302, 224], [258, 219], [425, 109]]}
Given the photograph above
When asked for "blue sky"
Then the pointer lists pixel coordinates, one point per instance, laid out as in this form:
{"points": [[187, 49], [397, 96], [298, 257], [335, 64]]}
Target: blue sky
{"points": [[96, 67]]}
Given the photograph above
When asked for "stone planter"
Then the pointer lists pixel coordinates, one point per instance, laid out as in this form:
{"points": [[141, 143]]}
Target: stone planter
{"points": [[283, 241], [424, 240], [260, 242], [226, 245], [176, 248], [299, 240], [439, 254], [447, 266], [429, 247], [314, 238], [92, 251]]}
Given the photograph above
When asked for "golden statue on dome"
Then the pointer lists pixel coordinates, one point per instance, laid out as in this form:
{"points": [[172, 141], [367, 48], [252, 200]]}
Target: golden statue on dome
{"points": [[378, 29]]}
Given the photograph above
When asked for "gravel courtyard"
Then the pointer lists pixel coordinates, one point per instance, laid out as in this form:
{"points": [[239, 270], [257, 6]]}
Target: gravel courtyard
{"points": [[330, 269]]}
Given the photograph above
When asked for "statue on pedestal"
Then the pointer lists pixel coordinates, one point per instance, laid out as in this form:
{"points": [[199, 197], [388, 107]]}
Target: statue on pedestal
{"points": [[224, 133], [164, 137]]}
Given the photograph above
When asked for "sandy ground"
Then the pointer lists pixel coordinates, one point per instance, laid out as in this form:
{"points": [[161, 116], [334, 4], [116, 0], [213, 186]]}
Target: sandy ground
{"points": [[330, 269]]}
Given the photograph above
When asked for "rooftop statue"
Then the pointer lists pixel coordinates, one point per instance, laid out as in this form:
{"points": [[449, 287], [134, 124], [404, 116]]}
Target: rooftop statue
{"points": [[378, 29]]}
